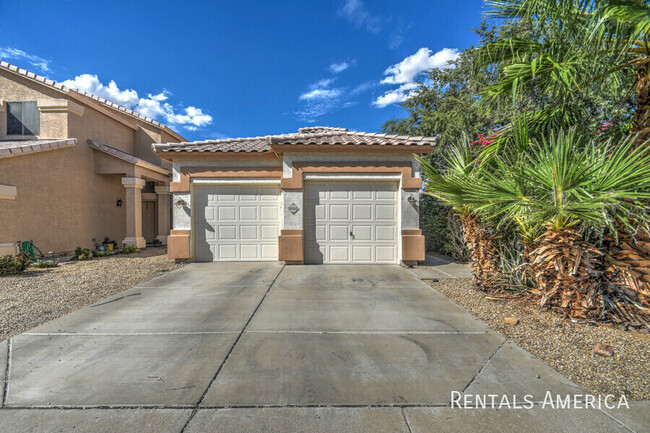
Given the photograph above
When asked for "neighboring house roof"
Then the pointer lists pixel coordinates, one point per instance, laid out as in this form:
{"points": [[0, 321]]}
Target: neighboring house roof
{"points": [[64, 89], [319, 135], [126, 157], [17, 148]]}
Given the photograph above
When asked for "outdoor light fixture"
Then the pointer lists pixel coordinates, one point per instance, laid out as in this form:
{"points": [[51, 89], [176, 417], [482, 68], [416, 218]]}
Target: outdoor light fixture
{"points": [[119, 202], [180, 202], [412, 199]]}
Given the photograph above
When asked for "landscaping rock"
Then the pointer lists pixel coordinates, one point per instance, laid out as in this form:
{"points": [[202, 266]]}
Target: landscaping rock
{"points": [[603, 349], [511, 320]]}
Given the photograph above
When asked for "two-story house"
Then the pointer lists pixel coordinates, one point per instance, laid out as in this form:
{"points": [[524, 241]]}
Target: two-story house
{"points": [[74, 167]]}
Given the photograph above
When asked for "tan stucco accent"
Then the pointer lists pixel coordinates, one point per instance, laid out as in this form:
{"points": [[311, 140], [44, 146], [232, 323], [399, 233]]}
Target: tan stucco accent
{"points": [[412, 246], [281, 148], [60, 106], [214, 156], [8, 192], [290, 247], [178, 244], [401, 167], [164, 214], [133, 206], [187, 173]]}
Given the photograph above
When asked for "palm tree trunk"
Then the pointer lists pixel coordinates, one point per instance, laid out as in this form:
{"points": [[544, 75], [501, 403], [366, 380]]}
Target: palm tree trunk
{"points": [[568, 273], [486, 264], [642, 112]]}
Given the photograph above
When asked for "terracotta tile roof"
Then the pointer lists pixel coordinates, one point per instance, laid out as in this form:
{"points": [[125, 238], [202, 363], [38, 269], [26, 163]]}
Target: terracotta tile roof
{"points": [[319, 135], [126, 157], [65, 89], [17, 148]]}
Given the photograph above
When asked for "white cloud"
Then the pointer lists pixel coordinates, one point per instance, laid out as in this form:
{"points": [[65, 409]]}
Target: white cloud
{"points": [[355, 12], [36, 62], [409, 68], [395, 96], [320, 94], [407, 71], [322, 98], [153, 106], [91, 84], [336, 68]]}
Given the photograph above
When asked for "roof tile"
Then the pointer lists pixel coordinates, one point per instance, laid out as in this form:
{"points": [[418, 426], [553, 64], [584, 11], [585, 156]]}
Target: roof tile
{"points": [[318, 135]]}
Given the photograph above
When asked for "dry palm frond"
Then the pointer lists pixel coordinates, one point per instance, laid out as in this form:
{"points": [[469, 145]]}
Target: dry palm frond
{"points": [[486, 263], [568, 275]]}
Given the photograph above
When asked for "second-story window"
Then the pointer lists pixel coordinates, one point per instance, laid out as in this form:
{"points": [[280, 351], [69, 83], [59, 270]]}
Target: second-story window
{"points": [[22, 118]]}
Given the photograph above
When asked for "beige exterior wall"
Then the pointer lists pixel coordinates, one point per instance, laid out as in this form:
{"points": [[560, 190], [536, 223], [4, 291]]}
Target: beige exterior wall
{"points": [[61, 203]]}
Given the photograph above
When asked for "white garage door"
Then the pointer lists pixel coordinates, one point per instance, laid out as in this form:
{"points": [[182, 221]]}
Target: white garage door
{"points": [[236, 222], [350, 222]]}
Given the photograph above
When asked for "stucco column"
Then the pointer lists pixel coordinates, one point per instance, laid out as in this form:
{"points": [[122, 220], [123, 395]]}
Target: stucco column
{"points": [[133, 204], [164, 210]]}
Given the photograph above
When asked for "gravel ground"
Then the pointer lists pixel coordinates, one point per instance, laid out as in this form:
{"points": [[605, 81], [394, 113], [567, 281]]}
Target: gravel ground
{"points": [[41, 295], [565, 346]]}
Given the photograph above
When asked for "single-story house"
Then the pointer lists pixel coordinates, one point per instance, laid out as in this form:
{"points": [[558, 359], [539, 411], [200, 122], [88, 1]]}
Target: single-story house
{"points": [[321, 195], [74, 167]]}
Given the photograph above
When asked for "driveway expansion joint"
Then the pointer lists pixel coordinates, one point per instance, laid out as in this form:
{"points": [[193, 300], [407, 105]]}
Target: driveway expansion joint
{"points": [[406, 421], [234, 344], [480, 370], [616, 420], [5, 389]]}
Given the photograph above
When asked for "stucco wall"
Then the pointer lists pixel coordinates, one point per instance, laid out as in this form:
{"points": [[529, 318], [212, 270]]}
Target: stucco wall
{"points": [[61, 203]]}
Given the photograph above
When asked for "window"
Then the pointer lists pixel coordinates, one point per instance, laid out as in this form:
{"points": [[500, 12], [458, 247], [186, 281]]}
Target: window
{"points": [[22, 118]]}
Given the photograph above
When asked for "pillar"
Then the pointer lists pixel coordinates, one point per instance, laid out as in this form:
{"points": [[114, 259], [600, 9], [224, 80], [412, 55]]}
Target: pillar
{"points": [[164, 210], [133, 206]]}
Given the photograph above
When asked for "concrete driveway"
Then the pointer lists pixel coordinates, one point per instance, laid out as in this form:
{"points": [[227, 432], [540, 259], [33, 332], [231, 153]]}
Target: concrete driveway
{"points": [[230, 347]]}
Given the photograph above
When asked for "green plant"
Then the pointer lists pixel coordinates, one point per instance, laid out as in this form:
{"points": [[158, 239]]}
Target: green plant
{"points": [[130, 249], [44, 264], [14, 265], [82, 254], [97, 253], [157, 242]]}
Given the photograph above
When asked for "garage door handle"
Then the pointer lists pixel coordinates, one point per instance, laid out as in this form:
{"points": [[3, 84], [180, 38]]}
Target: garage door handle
{"points": [[352, 234]]}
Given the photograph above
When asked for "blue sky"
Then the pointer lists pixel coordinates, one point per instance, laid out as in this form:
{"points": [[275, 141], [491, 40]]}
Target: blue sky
{"points": [[242, 68]]}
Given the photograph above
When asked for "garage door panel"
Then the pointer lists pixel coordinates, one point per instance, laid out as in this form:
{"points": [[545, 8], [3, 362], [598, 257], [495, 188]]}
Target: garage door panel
{"points": [[385, 253], [361, 253], [227, 213], [339, 233], [362, 232], [385, 233], [339, 254], [333, 210], [385, 212], [240, 222], [269, 213], [269, 232]]}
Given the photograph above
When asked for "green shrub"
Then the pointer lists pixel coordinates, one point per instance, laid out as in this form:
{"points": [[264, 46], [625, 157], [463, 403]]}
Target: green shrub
{"points": [[82, 254], [442, 230], [129, 249], [14, 265], [44, 264]]}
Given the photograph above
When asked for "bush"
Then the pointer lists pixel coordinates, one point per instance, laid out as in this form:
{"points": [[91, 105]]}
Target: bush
{"points": [[44, 264], [129, 249], [442, 230], [10, 265], [82, 254]]}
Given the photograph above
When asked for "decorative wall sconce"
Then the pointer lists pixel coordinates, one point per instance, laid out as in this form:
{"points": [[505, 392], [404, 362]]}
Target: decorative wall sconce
{"points": [[180, 202], [118, 203], [412, 199]]}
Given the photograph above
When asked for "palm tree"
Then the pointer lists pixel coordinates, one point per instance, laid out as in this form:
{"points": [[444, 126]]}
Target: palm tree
{"points": [[554, 190], [579, 46], [448, 185]]}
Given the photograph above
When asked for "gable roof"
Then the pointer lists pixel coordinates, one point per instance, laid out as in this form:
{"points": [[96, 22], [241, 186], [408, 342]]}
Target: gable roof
{"points": [[117, 153], [17, 148], [60, 87], [319, 135]]}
